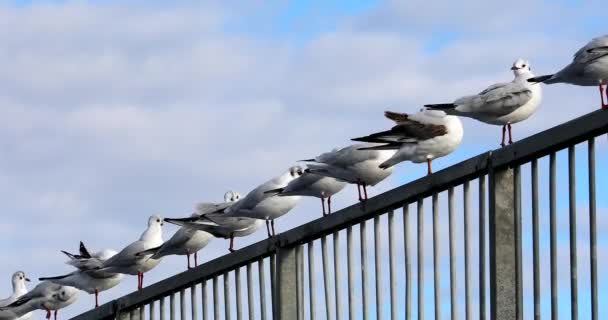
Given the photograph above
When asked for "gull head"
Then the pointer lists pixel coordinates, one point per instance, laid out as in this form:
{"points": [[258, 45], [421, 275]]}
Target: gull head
{"points": [[521, 66], [19, 278], [231, 196], [296, 171], [65, 293], [155, 221]]}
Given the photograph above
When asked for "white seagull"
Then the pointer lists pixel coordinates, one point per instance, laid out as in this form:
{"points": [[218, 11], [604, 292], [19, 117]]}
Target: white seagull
{"points": [[352, 165], [88, 277], [187, 241], [259, 205], [500, 104], [312, 185], [46, 296], [419, 137], [19, 289], [210, 217], [588, 68], [127, 261]]}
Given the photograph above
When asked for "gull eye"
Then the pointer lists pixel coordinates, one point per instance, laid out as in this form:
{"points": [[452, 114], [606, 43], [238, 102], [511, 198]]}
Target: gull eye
{"points": [[157, 220], [523, 66]]}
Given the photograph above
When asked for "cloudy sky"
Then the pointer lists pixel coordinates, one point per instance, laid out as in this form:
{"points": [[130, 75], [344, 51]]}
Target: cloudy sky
{"points": [[112, 111]]}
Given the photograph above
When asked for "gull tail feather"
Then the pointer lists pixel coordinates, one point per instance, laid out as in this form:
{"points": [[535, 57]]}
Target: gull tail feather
{"points": [[151, 251]]}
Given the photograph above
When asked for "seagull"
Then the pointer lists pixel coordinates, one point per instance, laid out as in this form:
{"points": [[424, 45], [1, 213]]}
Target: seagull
{"points": [[312, 185], [88, 277], [419, 137], [187, 241], [500, 104], [352, 165], [588, 68], [127, 262], [19, 289], [210, 217], [259, 205], [46, 296]]}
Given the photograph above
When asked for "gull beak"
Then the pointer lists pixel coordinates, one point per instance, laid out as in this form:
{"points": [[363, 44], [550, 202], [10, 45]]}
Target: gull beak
{"points": [[514, 68], [27, 279]]}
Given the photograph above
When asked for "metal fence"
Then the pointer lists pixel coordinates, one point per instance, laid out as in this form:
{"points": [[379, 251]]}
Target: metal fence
{"points": [[367, 260]]}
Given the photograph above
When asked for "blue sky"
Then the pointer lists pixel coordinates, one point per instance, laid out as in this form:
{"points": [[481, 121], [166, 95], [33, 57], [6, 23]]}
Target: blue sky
{"points": [[111, 111]]}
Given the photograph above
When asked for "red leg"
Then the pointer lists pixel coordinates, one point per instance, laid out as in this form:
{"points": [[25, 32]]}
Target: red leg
{"points": [[188, 257], [48, 313], [231, 248], [96, 298], [510, 136], [429, 170], [142, 280], [272, 225], [504, 130], [268, 228], [365, 191], [359, 191], [323, 206], [55, 314], [604, 105], [329, 205], [195, 259]]}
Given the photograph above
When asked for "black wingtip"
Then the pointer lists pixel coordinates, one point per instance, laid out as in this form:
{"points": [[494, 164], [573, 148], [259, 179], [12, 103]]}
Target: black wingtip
{"points": [[83, 251], [274, 191], [440, 106], [540, 78], [307, 160], [71, 256]]}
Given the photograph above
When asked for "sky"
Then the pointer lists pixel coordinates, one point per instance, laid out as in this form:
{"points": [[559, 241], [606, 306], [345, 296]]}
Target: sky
{"points": [[113, 111]]}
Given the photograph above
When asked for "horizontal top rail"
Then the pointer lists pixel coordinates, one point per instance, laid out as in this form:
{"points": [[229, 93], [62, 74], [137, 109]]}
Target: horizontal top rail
{"points": [[533, 147]]}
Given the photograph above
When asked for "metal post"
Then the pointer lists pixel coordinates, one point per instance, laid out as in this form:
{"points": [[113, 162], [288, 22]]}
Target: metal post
{"points": [[503, 246], [287, 294]]}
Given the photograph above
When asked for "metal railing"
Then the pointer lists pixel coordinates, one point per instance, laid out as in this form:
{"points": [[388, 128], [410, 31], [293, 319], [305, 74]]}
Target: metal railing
{"points": [[298, 277]]}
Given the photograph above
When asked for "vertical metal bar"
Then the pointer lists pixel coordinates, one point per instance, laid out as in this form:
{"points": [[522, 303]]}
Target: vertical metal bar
{"points": [[408, 262], [420, 259], [482, 250], [216, 298], [300, 282], [378, 267], [237, 283], [518, 238], [311, 279], [132, 314], [182, 304], [328, 306], [172, 306], [204, 305], [349, 266], [535, 250], [572, 205], [250, 303], [592, 227], [227, 296], [503, 264], [152, 310], [436, 280], [287, 303], [273, 284], [262, 289], [391, 263], [363, 269], [162, 308], [337, 275], [553, 234], [142, 312], [193, 301], [453, 306]]}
